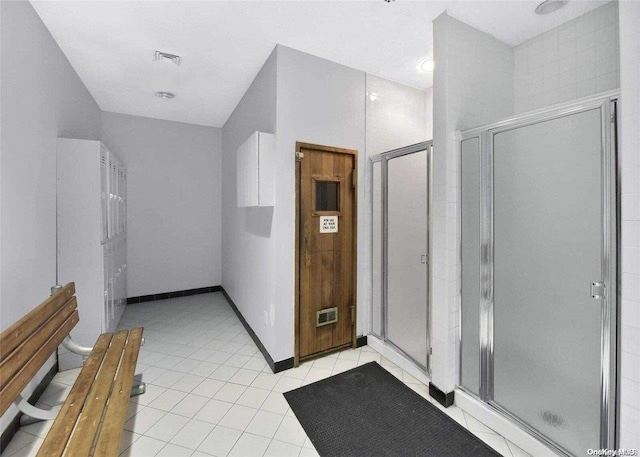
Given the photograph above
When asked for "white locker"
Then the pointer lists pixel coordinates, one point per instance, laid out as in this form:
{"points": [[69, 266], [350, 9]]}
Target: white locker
{"points": [[91, 231]]}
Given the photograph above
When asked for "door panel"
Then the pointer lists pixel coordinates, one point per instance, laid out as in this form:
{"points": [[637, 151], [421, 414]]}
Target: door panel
{"points": [[327, 258], [376, 250], [470, 237], [407, 255], [548, 244]]}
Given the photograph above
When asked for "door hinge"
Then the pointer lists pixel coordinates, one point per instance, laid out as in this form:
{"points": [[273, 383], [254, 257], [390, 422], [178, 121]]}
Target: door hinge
{"points": [[299, 156], [354, 179], [353, 314], [598, 290]]}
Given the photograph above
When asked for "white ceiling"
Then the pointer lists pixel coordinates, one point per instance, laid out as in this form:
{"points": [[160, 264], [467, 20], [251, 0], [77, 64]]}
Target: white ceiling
{"points": [[223, 44]]}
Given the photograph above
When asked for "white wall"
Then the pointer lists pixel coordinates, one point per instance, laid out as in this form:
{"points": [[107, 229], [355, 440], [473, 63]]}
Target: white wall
{"points": [[630, 166], [319, 102], [42, 99], [461, 99], [174, 207], [248, 246], [575, 60]]}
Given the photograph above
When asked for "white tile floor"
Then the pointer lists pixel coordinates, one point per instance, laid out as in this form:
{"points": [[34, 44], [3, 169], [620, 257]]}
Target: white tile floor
{"points": [[211, 393]]}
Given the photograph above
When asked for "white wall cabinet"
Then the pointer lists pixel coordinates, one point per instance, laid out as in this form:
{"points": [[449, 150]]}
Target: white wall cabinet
{"points": [[256, 171], [92, 233]]}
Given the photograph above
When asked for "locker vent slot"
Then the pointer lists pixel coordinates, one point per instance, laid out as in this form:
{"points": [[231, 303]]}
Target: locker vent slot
{"points": [[326, 316]]}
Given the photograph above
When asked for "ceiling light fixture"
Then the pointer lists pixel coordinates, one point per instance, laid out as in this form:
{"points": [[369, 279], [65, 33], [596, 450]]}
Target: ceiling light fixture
{"points": [[426, 66], [159, 55], [549, 6], [165, 95]]}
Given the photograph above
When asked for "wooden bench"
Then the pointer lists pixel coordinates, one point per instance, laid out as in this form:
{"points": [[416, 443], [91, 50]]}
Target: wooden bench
{"points": [[91, 420]]}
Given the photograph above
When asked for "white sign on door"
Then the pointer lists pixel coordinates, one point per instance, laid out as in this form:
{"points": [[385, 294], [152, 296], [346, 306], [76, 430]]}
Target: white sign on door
{"points": [[328, 224]]}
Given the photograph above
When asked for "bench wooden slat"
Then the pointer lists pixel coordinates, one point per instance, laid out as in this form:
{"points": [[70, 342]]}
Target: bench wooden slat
{"points": [[108, 442], [13, 362], [15, 335], [57, 438], [84, 435], [28, 371]]}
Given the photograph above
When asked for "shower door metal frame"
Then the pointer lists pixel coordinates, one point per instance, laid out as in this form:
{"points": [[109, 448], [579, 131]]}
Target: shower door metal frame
{"points": [[607, 104], [384, 158]]}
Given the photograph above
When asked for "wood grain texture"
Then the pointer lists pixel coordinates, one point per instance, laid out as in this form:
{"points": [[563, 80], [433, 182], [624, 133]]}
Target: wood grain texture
{"points": [[326, 261], [85, 434], [17, 333], [29, 370], [58, 437], [108, 442], [13, 362]]}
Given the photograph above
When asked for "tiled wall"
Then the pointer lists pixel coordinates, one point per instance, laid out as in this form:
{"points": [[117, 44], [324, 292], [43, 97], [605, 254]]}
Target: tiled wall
{"points": [[630, 179], [460, 100], [577, 59]]}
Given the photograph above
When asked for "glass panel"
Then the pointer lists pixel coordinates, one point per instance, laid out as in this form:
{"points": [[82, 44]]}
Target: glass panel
{"points": [[376, 249], [407, 249], [548, 244], [470, 348], [327, 195]]}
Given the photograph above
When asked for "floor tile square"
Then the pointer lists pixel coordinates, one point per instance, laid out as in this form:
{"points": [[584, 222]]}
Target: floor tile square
{"points": [[192, 434], [220, 441], [282, 449], [167, 400], [144, 420], [249, 445], [213, 411], [264, 424], [238, 417], [290, 431], [208, 388], [244, 377], [166, 427], [189, 405], [253, 397], [230, 392]]}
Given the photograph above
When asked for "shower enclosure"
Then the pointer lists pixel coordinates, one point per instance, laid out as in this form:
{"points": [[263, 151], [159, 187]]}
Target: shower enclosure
{"points": [[400, 250], [539, 260]]}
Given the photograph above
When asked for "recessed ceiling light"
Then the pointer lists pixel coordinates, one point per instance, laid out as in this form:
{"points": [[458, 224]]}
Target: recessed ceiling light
{"points": [[549, 6], [159, 55], [164, 95], [426, 65]]}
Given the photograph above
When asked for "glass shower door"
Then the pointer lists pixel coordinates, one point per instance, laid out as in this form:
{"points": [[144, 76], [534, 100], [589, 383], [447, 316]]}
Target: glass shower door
{"points": [[407, 281], [548, 250]]}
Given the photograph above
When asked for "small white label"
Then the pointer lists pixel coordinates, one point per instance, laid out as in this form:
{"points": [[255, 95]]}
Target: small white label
{"points": [[328, 224]]}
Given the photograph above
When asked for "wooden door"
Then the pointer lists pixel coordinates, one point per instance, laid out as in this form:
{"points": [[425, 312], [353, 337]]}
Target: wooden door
{"points": [[326, 248]]}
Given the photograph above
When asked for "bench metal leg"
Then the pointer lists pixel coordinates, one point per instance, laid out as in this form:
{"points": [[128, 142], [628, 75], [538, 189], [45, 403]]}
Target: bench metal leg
{"points": [[33, 414], [74, 347], [138, 387]]}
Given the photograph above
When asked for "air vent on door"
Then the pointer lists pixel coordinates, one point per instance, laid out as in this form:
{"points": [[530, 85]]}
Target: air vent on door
{"points": [[326, 316]]}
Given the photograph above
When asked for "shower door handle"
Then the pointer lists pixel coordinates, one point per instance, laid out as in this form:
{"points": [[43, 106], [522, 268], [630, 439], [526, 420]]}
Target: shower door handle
{"points": [[598, 290]]}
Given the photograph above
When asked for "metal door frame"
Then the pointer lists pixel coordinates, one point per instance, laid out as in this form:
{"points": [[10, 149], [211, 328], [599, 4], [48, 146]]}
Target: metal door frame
{"points": [[384, 158], [607, 104]]}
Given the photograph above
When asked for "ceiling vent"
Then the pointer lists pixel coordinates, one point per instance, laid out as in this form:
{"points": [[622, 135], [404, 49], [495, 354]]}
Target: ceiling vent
{"points": [[165, 95], [159, 55]]}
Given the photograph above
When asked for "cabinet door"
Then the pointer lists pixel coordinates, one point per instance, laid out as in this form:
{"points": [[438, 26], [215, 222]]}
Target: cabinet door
{"points": [[104, 192]]}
